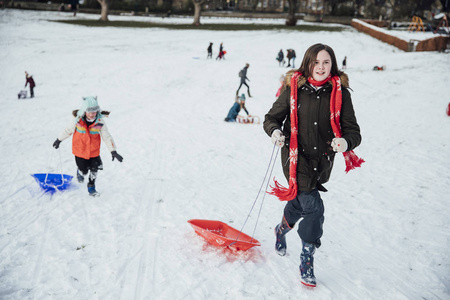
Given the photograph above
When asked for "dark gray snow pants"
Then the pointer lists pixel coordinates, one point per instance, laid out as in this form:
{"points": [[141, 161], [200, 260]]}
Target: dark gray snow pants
{"points": [[308, 206]]}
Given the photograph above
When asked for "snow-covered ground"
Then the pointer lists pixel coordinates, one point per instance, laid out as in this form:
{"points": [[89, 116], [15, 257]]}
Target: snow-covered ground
{"points": [[387, 224]]}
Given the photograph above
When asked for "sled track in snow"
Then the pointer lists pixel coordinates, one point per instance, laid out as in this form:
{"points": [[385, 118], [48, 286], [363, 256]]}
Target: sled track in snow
{"points": [[22, 220], [38, 264], [140, 270], [374, 259]]}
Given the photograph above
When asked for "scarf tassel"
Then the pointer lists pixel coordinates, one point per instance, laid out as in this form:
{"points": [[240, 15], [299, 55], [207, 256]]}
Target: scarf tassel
{"points": [[284, 194], [352, 161]]}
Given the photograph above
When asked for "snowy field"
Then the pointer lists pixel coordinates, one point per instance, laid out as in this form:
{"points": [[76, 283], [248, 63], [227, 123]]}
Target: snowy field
{"points": [[387, 225]]}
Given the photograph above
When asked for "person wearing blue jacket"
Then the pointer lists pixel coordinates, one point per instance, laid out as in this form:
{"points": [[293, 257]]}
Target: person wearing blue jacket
{"points": [[236, 108]]}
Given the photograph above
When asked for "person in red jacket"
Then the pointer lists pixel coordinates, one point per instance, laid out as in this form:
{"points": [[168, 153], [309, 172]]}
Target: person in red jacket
{"points": [[89, 129], [29, 80]]}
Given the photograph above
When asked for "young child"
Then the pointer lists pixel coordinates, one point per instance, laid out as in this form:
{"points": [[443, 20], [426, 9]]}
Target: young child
{"points": [[236, 108], [88, 128]]}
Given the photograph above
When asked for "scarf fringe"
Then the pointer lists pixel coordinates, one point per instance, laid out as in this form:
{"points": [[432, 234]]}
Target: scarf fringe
{"points": [[352, 161], [284, 194]]}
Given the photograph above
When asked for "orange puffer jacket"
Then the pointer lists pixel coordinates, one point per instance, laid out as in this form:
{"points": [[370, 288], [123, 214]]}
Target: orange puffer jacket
{"points": [[86, 140]]}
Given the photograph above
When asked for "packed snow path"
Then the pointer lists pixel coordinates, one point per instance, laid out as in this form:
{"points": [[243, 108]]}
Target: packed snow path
{"points": [[386, 227]]}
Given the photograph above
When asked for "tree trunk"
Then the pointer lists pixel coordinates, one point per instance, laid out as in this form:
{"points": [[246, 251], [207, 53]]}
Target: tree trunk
{"points": [[391, 4], [255, 5], [197, 11], [292, 19], [105, 8]]}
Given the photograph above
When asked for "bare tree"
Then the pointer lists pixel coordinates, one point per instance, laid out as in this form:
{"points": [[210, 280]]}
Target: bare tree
{"points": [[254, 4], [197, 10], [292, 19], [105, 8]]}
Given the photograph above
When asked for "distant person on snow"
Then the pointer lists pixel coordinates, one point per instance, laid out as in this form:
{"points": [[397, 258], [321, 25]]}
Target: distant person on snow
{"points": [[236, 108], [294, 56], [243, 76], [29, 80], [344, 63], [310, 128], [74, 6], [291, 55], [221, 52], [89, 129], [209, 49], [280, 58]]}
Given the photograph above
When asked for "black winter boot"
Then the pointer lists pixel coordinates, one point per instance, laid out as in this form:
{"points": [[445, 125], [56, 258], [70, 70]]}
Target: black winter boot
{"points": [[307, 264], [80, 176], [91, 185], [280, 232]]}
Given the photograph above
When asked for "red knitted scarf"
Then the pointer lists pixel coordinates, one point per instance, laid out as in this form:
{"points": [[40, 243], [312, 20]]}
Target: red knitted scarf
{"points": [[351, 160]]}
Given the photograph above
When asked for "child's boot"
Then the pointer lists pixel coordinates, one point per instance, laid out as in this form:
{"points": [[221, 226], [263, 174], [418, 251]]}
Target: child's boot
{"points": [[307, 264], [280, 232], [91, 185], [80, 176]]}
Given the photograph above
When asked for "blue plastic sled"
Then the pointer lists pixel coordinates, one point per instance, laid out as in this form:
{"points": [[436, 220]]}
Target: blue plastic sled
{"points": [[51, 182]]}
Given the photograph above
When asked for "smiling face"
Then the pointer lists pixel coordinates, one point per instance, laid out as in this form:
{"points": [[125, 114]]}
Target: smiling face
{"points": [[91, 115], [321, 67]]}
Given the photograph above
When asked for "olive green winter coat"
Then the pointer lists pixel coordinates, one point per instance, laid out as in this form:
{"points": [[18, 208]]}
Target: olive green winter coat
{"points": [[316, 156]]}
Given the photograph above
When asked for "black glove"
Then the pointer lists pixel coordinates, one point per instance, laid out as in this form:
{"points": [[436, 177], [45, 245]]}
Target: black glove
{"points": [[56, 144], [116, 155]]}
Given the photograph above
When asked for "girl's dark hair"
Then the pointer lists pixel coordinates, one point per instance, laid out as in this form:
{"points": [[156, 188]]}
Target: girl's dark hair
{"points": [[310, 57]]}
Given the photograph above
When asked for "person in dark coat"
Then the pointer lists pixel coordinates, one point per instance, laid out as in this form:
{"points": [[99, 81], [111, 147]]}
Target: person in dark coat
{"points": [[344, 63], [289, 57], [29, 80], [243, 76], [280, 58], [209, 51], [293, 57], [74, 6], [313, 88]]}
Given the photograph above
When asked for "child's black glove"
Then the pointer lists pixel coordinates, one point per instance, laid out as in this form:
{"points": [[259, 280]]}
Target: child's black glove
{"points": [[56, 144], [116, 155]]}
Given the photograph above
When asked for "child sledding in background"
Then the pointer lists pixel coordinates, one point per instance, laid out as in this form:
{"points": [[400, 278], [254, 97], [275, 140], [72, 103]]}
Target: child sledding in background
{"points": [[88, 128], [236, 108]]}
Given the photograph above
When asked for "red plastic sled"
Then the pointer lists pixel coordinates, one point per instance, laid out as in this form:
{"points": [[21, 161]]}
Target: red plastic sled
{"points": [[220, 234]]}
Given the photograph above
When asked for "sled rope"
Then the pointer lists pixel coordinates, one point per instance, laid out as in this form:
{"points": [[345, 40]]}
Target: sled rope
{"points": [[60, 166], [270, 167]]}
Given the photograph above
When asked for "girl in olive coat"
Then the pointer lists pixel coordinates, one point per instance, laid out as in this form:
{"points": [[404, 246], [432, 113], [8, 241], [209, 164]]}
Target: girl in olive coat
{"points": [[311, 120]]}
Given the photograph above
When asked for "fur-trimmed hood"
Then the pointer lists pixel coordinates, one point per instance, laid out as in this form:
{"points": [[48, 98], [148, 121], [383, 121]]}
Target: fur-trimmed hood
{"points": [[302, 79]]}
